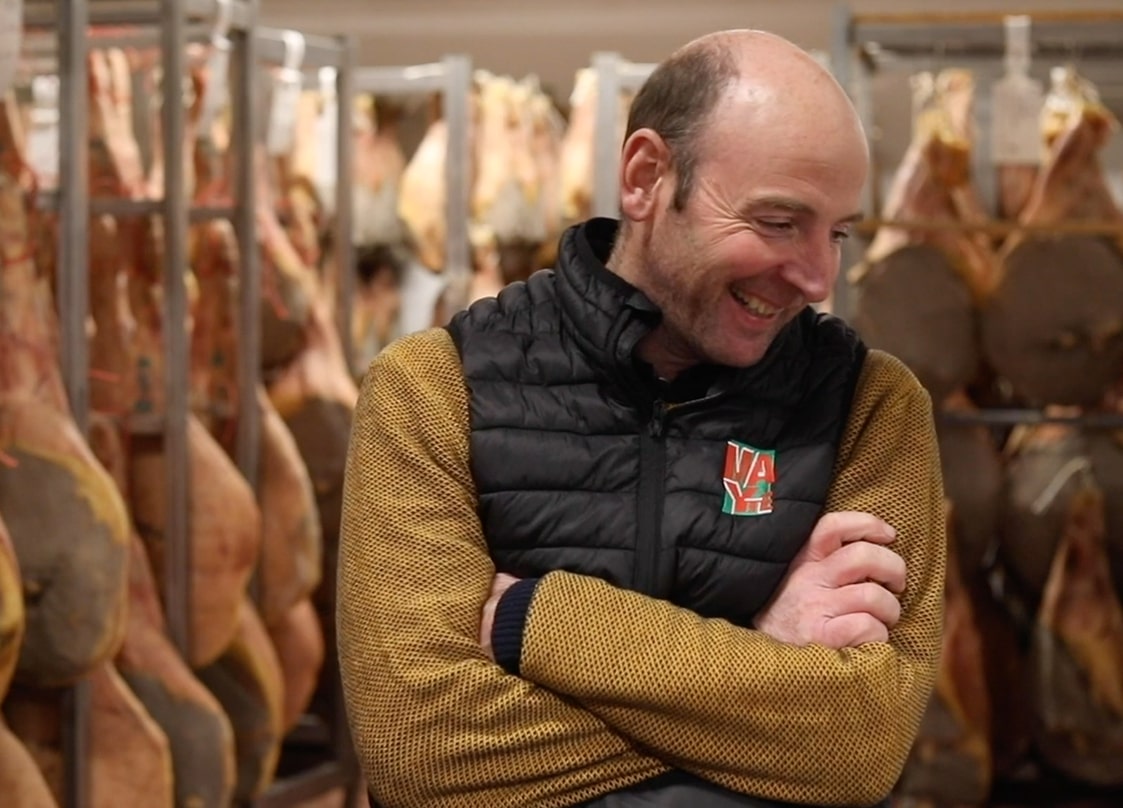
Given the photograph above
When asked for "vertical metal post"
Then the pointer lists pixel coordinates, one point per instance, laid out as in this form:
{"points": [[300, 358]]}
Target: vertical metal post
{"points": [[73, 284], [243, 100], [73, 303], [606, 157], [457, 111], [344, 252], [177, 468], [982, 160], [848, 73]]}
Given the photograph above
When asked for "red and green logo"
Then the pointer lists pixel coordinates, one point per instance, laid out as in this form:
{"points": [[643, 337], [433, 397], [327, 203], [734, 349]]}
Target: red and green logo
{"points": [[749, 475]]}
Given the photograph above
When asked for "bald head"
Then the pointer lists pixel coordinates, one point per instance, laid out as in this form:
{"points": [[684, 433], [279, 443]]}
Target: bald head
{"points": [[778, 88]]}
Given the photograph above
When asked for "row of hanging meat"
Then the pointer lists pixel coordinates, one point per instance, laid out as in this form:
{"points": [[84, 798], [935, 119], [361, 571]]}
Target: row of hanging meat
{"points": [[530, 174], [1026, 299], [992, 316], [85, 515]]}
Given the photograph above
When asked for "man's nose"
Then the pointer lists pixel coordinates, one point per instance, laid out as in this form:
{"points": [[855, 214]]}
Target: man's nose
{"points": [[813, 269]]}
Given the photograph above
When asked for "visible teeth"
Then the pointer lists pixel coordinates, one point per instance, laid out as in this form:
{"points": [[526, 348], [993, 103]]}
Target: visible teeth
{"points": [[755, 305]]}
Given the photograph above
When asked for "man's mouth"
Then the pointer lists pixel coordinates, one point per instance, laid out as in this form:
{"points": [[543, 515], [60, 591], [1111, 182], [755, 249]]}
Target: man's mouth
{"points": [[755, 305]]}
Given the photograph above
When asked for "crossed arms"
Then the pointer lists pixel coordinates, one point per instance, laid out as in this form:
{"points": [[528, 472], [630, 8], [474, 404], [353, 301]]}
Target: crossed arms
{"points": [[437, 723]]}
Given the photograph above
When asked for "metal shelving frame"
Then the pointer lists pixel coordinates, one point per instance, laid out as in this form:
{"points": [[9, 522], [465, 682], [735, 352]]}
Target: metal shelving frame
{"points": [[323, 52], [452, 78], [334, 52], [171, 25], [614, 75], [863, 45]]}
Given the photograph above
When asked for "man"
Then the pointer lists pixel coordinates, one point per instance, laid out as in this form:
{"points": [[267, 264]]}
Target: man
{"points": [[702, 524]]}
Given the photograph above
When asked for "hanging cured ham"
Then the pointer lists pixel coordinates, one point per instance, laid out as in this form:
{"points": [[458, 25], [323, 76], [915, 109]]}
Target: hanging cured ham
{"points": [[950, 763], [1043, 473], [223, 520], [506, 195], [131, 762], [129, 759], [20, 779], [246, 680], [547, 131], [1105, 450], [936, 271], [379, 164], [974, 477], [199, 737], [33, 718], [72, 556], [1078, 651], [1057, 337], [424, 192], [975, 482], [299, 642], [576, 152], [286, 282], [291, 550], [12, 615]]}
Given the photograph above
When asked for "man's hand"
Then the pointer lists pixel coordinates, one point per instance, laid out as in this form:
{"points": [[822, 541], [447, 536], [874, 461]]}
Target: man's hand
{"points": [[839, 589], [499, 584]]}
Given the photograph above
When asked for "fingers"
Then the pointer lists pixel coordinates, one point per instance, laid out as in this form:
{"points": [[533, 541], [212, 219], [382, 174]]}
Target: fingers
{"points": [[851, 630], [868, 598], [835, 529], [501, 583], [862, 561]]}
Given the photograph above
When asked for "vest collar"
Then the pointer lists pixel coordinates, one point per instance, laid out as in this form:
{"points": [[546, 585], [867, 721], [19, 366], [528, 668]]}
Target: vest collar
{"points": [[608, 317]]}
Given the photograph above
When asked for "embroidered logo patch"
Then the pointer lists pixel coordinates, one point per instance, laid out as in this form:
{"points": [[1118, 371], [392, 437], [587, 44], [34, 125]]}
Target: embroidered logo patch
{"points": [[749, 475]]}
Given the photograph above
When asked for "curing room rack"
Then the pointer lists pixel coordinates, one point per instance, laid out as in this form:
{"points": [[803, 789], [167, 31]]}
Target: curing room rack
{"points": [[171, 25], [336, 766], [165, 23], [865, 46], [614, 75], [451, 79]]}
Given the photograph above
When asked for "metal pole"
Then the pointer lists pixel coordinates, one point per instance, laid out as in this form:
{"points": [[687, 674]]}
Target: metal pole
{"points": [[177, 468], [843, 64], [344, 252], [73, 303], [243, 99], [606, 157], [73, 274], [457, 95]]}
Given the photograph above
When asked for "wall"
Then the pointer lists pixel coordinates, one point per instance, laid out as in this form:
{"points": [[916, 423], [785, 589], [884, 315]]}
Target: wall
{"points": [[553, 38]]}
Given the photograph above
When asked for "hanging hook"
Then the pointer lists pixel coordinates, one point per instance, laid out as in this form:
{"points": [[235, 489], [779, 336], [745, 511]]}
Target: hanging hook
{"points": [[287, 86], [224, 17], [1018, 47], [294, 51], [218, 65]]}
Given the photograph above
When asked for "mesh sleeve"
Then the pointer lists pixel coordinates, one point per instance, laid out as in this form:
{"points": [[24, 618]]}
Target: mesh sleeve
{"points": [[435, 723], [803, 724]]}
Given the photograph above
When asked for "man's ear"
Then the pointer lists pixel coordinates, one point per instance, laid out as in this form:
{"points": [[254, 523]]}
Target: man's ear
{"points": [[645, 167]]}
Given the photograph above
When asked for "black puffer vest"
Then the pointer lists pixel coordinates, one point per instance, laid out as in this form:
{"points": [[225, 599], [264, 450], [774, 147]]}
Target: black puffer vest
{"points": [[581, 465]]}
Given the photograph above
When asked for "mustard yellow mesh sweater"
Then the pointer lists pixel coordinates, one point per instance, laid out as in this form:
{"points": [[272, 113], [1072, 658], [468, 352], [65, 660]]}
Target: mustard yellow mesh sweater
{"points": [[618, 687]]}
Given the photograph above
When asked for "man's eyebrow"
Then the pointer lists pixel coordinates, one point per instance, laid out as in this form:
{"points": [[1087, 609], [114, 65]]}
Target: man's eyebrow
{"points": [[791, 205]]}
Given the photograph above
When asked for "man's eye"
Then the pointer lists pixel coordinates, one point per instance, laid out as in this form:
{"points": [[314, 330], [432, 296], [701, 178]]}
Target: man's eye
{"points": [[841, 235], [778, 225]]}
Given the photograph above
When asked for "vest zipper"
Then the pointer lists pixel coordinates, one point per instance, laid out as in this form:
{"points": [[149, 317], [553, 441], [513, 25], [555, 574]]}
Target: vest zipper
{"points": [[651, 573]]}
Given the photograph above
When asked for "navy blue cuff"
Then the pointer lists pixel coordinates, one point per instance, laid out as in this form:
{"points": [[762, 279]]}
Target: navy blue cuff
{"points": [[509, 622]]}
